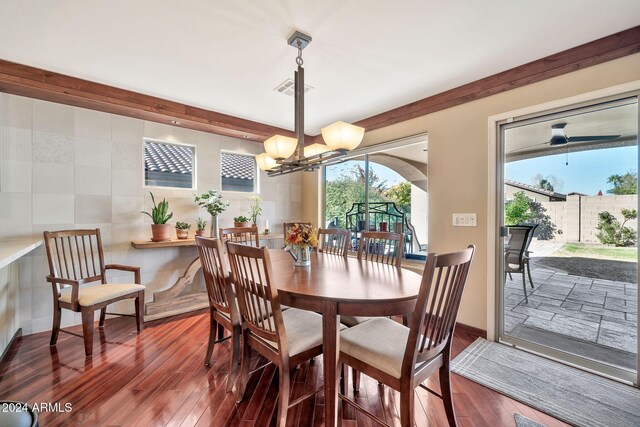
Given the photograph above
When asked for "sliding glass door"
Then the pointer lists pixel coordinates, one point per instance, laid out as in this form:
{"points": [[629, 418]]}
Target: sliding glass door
{"points": [[567, 243]]}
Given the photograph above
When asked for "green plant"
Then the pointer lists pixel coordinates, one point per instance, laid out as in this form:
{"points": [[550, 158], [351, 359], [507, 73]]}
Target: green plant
{"points": [[241, 218], [160, 213], [517, 210], [623, 184], [255, 209], [183, 225], [212, 202], [612, 232], [201, 223]]}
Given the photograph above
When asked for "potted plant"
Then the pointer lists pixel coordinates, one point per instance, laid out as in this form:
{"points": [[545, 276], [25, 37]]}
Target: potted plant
{"points": [[255, 209], [160, 230], [241, 221], [213, 203], [182, 230], [200, 225]]}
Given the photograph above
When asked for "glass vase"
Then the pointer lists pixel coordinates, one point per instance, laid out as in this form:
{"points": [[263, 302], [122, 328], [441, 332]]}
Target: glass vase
{"points": [[215, 227], [304, 256]]}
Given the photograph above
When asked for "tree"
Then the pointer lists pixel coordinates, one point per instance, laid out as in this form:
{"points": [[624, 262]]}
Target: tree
{"points": [[612, 232], [550, 182], [623, 184], [401, 195], [517, 210]]}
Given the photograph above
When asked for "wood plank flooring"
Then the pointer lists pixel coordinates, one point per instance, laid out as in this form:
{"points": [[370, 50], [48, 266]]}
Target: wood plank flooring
{"points": [[158, 379]]}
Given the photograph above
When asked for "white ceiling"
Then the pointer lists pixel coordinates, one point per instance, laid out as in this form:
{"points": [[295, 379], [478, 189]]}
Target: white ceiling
{"points": [[366, 57]]}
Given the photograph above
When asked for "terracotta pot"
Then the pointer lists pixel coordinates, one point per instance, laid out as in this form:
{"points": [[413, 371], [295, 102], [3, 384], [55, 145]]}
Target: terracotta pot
{"points": [[241, 224], [182, 233], [199, 232], [384, 226], [161, 232]]}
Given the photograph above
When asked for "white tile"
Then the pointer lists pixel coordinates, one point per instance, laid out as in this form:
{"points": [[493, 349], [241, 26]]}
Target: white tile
{"points": [[52, 178], [126, 210], [15, 143], [125, 233], [125, 254], [51, 117], [42, 302], [93, 152], [53, 148], [92, 209], [15, 176], [159, 131], [158, 259], [39, 271], [127, 129], [283, 193], [125, 182], [25, 299], [16, 111], [53, 208], [92, 124], [15, 231], [157, 281], [93, 180], [296, 193], [25, 266], [127, 155], [16, 208]]}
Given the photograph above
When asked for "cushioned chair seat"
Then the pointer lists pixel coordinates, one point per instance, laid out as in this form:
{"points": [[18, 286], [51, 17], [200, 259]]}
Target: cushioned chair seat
{"points": [[90, 295], [303, 330], [351, 321], [379, 342]]}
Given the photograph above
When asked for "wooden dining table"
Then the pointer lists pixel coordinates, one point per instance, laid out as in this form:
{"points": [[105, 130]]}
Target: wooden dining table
{"points": [[334, 285]]}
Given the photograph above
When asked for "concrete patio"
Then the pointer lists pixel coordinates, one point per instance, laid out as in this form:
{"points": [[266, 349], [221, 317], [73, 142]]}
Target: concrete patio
{"points": [[595, 317]]}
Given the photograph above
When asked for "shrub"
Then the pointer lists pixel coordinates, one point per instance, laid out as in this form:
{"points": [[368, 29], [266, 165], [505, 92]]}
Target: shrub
{"points": [[612, 232]]}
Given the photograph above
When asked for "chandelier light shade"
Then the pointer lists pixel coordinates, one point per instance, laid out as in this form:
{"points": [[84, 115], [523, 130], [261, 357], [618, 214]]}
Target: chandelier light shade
{"points": [[341, 136], [315, 149], [280, 147], [265, 162]]}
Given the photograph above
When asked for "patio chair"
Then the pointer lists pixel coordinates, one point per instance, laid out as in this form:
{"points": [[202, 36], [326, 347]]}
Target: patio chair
{"points": [[517, 254]]}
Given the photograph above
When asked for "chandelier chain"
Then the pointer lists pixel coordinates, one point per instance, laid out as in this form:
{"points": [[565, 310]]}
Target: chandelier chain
{"points": [[299, 60]]}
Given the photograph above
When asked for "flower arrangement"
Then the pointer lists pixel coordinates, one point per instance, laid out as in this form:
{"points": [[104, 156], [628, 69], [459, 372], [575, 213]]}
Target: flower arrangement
{"points": [[212, 202], [302, 235]]}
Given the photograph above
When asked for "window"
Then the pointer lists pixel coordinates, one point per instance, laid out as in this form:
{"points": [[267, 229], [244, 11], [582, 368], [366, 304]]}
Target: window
{"points": [[238, 172], [168, 165]]}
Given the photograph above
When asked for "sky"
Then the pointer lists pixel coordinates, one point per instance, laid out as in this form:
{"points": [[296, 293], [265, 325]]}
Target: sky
{"points": [[587, 171]]}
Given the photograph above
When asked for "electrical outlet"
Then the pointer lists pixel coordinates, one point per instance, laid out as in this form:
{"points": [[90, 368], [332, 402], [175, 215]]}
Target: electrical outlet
{"points": [[465, 220]]}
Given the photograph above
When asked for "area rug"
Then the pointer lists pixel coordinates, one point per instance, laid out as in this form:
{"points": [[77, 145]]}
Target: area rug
{"points": [[522, 421], [571, 395]]}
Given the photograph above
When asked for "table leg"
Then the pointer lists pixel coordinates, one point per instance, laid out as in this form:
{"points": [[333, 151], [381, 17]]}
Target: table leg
{"points": [[331, 351]]}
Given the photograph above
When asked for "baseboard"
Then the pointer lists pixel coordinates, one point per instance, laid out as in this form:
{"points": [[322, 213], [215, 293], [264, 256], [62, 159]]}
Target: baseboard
{"points": [[471, 330], [13, 343]]}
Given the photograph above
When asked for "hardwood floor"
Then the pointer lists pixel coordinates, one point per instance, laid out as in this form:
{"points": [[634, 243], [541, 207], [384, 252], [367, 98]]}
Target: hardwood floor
{"points": [[158, 378]]}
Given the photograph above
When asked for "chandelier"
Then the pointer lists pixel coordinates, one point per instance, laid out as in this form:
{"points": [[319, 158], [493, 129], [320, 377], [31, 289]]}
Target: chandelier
{"points": [[285, 154]]}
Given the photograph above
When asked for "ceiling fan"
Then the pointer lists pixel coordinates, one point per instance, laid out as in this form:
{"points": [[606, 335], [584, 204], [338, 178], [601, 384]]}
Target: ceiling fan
{"points": [[559, 137]]}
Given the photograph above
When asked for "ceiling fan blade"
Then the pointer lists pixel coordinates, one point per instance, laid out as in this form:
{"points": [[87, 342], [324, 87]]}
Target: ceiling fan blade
{"points": [[529, 147], [591, 138]]}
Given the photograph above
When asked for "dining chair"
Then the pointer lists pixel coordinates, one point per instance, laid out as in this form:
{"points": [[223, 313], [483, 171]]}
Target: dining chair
{"points": [[334, 241], [223, 307], [381, 246], [75, 259], [404, 357], [243, 235], [286, 338], [517, 254], [287, 226]]}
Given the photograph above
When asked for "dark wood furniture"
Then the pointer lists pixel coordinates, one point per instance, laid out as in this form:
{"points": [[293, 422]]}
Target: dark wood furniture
{"points": [[516, 253], [373, 290], [287, 226], [223, 308], [242, 235], [76, 258], [334, 241], [403, 358], [381, 247], [286, 338]]}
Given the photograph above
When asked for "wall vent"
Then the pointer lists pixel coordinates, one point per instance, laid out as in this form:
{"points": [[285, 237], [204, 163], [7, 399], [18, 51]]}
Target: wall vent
{"points": [[287, 87]]}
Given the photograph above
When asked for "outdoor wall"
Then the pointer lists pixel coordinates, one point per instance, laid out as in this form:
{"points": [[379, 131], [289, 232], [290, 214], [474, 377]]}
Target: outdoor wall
{"points": [[578, 216], [420, 207], [459, 161], [63, 167]]}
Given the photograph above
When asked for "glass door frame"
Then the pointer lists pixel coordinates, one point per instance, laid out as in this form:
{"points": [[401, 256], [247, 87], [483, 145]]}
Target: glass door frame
{"points": [[599, 368]]}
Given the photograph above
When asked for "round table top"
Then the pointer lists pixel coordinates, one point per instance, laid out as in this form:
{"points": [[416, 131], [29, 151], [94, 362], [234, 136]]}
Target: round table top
{"points": [[333, 277]]}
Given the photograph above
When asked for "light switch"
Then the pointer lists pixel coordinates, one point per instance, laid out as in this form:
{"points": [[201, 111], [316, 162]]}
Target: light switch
{"points": [[465, 220]]}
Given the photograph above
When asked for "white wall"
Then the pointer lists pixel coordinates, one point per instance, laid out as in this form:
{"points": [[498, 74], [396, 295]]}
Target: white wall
{"points": [[63, 167]]}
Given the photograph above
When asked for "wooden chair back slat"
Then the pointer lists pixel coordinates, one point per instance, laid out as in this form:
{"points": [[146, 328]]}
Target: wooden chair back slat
{"points": [[383, 247], [287, 226], [333, 241], [216, 272], [433, 321], [242, 235], [69, 258], [257, 298]]}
